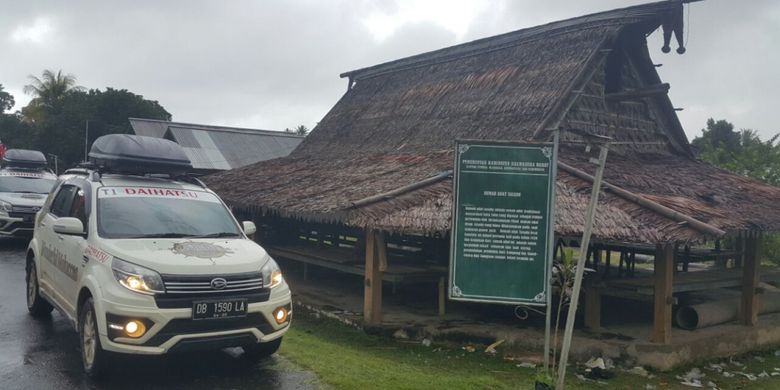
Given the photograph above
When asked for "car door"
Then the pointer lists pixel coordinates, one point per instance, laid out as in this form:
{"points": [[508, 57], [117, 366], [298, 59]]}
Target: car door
{"points": [[73, 247], [52, 249]]}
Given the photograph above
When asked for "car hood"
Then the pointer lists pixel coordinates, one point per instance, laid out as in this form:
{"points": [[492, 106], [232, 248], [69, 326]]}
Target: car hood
{"points": [[190, 256], [23, 199]]}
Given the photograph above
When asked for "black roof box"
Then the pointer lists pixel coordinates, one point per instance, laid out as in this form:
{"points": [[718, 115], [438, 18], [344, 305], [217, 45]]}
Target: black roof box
{"points": [[23, 158], [124, 153]]}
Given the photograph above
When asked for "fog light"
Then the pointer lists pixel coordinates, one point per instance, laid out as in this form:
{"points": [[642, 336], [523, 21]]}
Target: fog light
{"points": [[135, 329], [280, 315]]}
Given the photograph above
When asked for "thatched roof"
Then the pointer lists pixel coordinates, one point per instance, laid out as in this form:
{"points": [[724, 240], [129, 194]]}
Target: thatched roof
{"points": [[376, 159]]}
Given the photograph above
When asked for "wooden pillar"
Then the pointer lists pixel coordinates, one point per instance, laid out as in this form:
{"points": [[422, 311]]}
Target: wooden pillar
{"points": [[372, 294], [592, 307], [750, 278], [740, 248], [442, 296], [662, 302]]}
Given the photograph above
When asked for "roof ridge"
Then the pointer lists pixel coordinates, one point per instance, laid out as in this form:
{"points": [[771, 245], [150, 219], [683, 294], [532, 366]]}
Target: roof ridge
{"points": [[215, 127], [511, 38], [238, 130]]}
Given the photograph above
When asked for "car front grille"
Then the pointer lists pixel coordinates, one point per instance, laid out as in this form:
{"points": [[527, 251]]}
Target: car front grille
{"points": [[249, 282], [25, 209], [182, 290], [19, 214]]}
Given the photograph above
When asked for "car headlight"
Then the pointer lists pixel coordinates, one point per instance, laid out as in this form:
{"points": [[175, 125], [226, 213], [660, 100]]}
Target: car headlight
{"points": [[137, 278], [272, 275], [6, 207]]}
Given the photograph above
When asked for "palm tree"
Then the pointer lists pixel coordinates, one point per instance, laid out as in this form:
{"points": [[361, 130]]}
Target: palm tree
{"points": [[47, 91], [51, 87]]}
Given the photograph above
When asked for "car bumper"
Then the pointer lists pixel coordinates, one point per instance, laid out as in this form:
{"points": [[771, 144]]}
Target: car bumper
{"points": [[17, 224], [174, 330]]}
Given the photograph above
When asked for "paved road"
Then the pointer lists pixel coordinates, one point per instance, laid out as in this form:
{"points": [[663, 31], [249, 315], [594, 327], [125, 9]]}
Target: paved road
{"points": [[43, 354]]}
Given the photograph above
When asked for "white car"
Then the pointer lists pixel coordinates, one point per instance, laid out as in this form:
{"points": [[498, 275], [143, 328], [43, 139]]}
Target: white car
{"points": [[24, 183], [145, 264]]}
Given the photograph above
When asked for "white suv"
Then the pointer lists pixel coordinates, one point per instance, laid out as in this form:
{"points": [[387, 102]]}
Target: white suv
{"points": [[24, 182], [143, 264]]}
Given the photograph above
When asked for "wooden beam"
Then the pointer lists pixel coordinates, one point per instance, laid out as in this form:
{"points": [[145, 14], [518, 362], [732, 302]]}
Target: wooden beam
{"points": [[662, 301], [642, 201], [401, 190], [372, 293], [750, 279], [649, 91]]}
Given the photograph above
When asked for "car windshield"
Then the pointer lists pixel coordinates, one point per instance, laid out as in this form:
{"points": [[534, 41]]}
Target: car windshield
{"points": [[140, 212], [38, 184]]}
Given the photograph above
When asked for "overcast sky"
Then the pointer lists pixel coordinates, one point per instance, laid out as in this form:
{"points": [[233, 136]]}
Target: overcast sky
{"points": [[275, 64]]}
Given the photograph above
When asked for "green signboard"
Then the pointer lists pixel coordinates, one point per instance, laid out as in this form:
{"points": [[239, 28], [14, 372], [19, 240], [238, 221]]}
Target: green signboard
{"points": [[502, 226]]}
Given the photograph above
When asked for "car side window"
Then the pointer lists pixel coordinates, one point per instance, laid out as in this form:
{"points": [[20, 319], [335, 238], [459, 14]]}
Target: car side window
{"points": [[61, 205], [78, 208]]}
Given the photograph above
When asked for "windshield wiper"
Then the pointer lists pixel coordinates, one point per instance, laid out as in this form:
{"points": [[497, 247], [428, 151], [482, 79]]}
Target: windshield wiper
{"points": [[217, 235], [163, 235]]}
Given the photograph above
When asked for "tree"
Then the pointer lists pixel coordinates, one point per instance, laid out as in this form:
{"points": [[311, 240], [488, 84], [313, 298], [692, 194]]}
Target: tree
{"points": [[107, 112], [300, 130], [719, 135], [48, 91], [742, 152], [16, 133], [6, 100]]}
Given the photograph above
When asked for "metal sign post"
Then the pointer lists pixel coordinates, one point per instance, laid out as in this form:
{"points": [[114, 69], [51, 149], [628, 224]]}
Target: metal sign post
{"points": [[551, 256], [575, 296]]}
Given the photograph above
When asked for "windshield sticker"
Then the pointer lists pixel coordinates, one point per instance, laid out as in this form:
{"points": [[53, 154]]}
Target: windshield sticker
{"points": [[150, 192], [96, 254], [203, 250]]}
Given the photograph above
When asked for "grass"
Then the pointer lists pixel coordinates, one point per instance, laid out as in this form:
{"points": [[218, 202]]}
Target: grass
{"points": [[347, 358]]}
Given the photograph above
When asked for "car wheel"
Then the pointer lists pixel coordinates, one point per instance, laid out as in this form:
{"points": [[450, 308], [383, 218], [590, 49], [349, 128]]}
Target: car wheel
{"points": [[93, 357], [36, 304], [262, 350]]}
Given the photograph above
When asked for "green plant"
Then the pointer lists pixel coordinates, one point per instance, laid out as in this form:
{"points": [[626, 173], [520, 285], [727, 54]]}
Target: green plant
{"points": [[543, 381], [771, 248]]}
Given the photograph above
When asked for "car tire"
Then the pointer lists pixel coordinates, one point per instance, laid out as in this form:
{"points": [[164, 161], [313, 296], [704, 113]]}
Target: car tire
{"points": [[94, 359], [261, 351], [36, 304]]}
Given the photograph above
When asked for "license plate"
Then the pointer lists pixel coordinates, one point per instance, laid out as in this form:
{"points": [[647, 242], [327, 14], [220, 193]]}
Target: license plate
{"points": [[223, 308]]}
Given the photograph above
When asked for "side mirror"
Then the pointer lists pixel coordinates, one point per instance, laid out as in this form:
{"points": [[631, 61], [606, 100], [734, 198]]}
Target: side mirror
{"points": [[68, 225], [249, 227]]}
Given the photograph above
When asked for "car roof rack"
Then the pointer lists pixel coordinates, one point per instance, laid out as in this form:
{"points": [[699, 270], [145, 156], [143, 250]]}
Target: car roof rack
{"points": [[77, 171], [138, 155], [23, 158]]}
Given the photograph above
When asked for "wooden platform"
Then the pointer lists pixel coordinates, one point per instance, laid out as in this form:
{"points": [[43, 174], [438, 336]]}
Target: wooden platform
{"points": [[396, 269], [690, 281]]}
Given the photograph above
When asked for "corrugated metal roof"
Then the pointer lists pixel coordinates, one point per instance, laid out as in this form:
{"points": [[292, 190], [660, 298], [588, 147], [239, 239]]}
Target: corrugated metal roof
{"points": [[217, 147], [149, 127]]}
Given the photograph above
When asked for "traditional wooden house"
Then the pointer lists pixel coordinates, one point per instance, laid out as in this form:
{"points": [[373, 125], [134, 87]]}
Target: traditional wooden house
{"points": [[378, 165]]}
